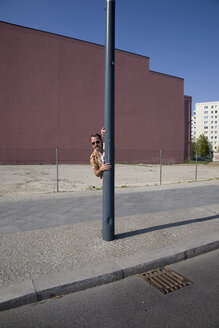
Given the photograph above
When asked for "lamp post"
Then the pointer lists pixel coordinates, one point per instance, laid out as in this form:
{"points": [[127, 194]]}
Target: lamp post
{"points": [[109, 114]]}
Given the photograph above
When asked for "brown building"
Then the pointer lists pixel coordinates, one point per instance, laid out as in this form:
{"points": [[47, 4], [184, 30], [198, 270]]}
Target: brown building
{"points": [[52, 95]]}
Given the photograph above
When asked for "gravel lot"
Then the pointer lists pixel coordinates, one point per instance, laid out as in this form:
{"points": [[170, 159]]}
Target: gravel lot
{"points": [[37, 179]]}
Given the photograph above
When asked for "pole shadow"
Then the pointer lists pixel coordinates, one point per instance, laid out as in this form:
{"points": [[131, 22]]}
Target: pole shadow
{"points": [[164, 226]]}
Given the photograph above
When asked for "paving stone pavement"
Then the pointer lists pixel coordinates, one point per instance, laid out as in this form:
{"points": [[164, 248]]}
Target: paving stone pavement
{"points": [[49, 258]]}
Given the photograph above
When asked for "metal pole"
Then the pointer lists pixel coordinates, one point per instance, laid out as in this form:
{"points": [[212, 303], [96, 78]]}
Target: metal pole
{"points": [[109, 100], [196, 165], [57, 169], [160, 166]]}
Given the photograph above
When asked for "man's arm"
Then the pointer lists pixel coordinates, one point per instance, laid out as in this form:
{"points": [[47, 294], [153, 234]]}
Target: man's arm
{"points": [[99, 170]]}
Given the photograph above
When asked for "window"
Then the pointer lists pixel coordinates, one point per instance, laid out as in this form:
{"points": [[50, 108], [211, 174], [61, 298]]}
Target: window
{"points": [[212, 137], [205, 127], [206, 112], [206, 132], [205, 117], [215, 131], [212, 112], [215, 137], [215, 116], [212, 122], [212, 106], [212, 116], [206, 122], [205, 107], [215, 122], [212, 127]]}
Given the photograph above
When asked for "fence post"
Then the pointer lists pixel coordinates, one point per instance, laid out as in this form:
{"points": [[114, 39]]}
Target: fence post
{"points": [[196, 165], [160, 166], [57, 169]]}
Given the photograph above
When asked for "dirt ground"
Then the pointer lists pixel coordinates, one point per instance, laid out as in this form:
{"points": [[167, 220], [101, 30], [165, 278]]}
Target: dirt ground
{"points": [[35, 179]]}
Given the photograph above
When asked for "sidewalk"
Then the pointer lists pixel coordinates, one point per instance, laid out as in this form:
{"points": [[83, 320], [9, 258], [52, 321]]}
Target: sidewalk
{"points": [[40, 263]]}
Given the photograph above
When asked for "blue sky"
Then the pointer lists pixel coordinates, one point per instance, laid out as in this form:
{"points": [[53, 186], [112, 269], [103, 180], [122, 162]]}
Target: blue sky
{"points": [[181, 37]]}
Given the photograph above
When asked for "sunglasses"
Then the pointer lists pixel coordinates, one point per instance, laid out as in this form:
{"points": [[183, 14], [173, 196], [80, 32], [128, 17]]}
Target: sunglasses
{"points": [[95, 142]]}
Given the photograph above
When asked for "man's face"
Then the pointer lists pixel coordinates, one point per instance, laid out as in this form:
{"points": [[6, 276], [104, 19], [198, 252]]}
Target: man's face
{"points": [[96, 143]]}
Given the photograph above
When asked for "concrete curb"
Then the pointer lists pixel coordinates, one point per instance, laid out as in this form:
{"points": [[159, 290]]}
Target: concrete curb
{"points": [[46, 287]]}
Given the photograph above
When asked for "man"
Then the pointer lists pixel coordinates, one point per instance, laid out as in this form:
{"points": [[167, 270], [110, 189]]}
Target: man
{"points": [[96, 158]]}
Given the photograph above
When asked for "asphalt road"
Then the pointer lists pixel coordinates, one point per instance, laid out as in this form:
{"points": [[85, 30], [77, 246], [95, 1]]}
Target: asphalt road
{"points": [[25, 215], [131, 303]]}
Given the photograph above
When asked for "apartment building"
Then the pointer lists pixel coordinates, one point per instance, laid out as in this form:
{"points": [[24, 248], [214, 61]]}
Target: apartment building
{"points": [[206, 121]]}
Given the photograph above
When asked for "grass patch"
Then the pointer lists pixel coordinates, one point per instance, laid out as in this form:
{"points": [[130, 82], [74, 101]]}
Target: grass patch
{"points": [[199, 162], [134, 164]]}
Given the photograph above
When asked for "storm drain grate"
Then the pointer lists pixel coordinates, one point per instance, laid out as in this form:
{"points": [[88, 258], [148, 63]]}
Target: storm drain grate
{"points": [[165, 280]]}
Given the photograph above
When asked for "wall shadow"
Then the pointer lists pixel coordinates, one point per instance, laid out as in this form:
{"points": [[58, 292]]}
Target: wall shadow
{"points": [[164, 226]]}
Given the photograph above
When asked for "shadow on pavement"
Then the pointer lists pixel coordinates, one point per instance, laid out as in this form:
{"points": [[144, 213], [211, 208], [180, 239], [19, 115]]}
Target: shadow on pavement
{"points": [[164, 226]]}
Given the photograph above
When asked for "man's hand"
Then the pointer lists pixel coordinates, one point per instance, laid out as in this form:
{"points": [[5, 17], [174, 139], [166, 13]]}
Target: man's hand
{"points": [[103, 132], [105, 167], [99, 170]]}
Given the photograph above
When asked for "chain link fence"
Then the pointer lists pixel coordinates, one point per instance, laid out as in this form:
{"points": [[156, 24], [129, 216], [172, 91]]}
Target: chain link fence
{"points": [[61, 176]]}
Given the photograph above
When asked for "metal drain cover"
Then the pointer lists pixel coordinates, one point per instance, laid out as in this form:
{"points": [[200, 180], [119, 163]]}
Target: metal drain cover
{"points": [[165, 280]]}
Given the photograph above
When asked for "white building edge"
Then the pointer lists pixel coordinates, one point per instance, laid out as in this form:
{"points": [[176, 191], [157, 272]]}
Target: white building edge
{"points": [[205, 120]]}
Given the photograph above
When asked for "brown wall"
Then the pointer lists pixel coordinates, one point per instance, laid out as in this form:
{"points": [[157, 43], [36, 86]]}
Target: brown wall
{"points": [[52, 95], [188, 118]]}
